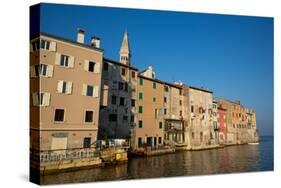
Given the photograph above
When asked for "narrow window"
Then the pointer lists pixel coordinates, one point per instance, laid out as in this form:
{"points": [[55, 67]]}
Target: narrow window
{"points": [[141, 81], [154, 99], [192, 108], [113, 99], [155, 113], [87, 142], [140, 123], [166, 88], [59, 115], [154, 85], [133, 74], [123, 71], [122, 101], [132, 118], [89, 116], [165, 99], [133, 101], [140, 109], [64, 60], [159, 140], [90, 90], [180, 102], [165, 111], [160, 125], [139, 141], [140, 95], [91, 67]]}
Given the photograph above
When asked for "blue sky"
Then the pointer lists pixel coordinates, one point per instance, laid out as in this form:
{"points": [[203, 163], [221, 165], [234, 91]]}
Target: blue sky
{"points": [[231, 55]]}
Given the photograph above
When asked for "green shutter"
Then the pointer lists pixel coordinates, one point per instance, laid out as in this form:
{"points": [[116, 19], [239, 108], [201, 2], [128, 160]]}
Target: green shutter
{"points": [[160, 125], [141, 81], [140, 109], [140, 123], [140, 96], [154, 85]]}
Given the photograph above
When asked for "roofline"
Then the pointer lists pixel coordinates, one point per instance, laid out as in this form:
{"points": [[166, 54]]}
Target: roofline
{"points": [[160, 81], [66, 40], [120, 64], [201, 89]]}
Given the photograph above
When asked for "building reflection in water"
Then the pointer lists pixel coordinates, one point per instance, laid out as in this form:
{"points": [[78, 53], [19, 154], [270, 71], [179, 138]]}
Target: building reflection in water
{"points": [[233, 159]]}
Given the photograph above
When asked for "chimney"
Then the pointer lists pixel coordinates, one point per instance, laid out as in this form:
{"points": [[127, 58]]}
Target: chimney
{"points": [[95, 42], [80, 35]]}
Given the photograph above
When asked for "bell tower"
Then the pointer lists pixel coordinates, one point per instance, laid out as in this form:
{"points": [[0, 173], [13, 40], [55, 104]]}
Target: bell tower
{"points": [[125, 55]]}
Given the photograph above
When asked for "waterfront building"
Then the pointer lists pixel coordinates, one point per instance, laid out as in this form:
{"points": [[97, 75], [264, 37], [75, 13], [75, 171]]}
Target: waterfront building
{"points": [[118, 98], [222, 124], [200, 124], [236, 114], [65, 85]]}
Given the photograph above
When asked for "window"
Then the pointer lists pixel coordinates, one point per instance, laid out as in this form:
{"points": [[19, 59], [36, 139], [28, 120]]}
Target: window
{"points": [[89, 90], [154, 99], [180, 91], [192, 135], [59, 115], [180, 102], [125, 118], [132, 118], [121, 86], [41, 70], [126, 86], [141, 81], [112, 117], [113, 99], [87, 142], [159, 140], [91, 66], [133, 74], [123, 72], [154, 85], [180, 113], [64, 60], [64, 87], [155, 113], [105, 66], [122, 101], [89, 116], [45, 44], [192, 108], [165, 99], [166, 88], [139, 141], [160, 125], [41, 99], [140, 109], [140, 95], [165, 111], [140, 123], [35, 45], [233, 125], [133, 101]]}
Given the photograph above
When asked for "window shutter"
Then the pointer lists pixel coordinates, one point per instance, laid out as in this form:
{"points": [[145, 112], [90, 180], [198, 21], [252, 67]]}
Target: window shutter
{"points": [[32, 71], [46, 99], [96, 91], [71, 61], [69, 88], [50, 69], [97, 68], [59, 86], [57, 60], [53, 46], [35, 99], [84, 90], [86, 65]]}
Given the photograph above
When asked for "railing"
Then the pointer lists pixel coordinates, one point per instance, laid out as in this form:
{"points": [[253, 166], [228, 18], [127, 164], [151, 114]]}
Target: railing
{"points": [[68, 154]]}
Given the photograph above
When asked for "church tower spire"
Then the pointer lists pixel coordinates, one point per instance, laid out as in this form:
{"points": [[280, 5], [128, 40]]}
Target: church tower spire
{"points": [[125, 50]]}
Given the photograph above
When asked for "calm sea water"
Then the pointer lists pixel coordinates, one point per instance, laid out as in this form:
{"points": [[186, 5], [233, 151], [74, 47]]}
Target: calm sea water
{"points": [[232, 159]]}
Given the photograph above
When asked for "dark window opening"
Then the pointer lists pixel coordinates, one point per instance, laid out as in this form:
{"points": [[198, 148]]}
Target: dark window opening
{"points": [[91, 67], [59, 114], [89, 116], [87, 142]]}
